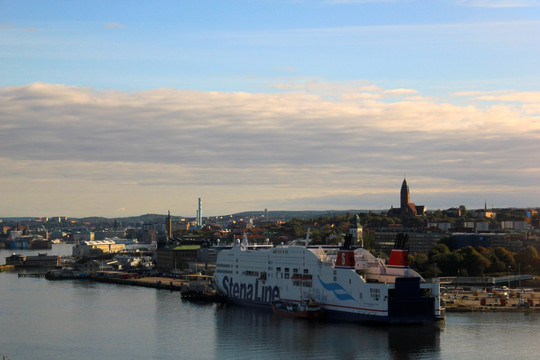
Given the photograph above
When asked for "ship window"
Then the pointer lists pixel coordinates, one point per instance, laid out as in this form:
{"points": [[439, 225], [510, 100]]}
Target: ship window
{"points": [[278, 268], [306, 271], [375, 293], [286, 269], [250, 273], [295, 271], [286, 275]]}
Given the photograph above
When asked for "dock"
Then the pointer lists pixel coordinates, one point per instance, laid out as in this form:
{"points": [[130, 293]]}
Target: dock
{"points": [[32, 275], [164, 283], [196, 288], [6, 267]]}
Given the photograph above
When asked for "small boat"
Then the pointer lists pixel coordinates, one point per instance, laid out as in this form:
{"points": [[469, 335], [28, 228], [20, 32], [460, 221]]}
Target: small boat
{"points": [[303, 309]]}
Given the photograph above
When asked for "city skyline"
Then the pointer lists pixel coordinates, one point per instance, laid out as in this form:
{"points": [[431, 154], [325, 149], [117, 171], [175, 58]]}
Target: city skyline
{"points": [[115, 110]]}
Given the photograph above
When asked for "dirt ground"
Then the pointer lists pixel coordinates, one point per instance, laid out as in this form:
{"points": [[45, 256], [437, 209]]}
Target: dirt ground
{"points": [[491, 301]]}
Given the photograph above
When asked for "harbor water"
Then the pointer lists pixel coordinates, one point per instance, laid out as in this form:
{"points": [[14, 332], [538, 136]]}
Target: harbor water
{"points": [[75, 319]]}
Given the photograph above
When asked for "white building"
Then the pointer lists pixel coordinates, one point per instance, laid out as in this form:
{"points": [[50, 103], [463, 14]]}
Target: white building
{"points": [[87, 248]]}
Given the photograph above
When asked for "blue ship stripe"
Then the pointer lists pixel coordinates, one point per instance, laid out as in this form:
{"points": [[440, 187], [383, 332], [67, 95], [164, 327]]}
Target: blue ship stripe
{"points": [[335, 287]]}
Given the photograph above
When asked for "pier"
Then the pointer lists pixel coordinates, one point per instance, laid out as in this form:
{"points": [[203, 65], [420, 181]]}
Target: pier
{"points": [[192, 287], [32, 275]]}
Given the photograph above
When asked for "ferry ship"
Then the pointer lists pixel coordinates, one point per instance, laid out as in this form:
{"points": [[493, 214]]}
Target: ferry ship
{"points": [[348, 283]]}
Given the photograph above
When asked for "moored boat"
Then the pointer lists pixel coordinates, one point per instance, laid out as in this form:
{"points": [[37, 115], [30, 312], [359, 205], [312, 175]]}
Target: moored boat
{"points": [[303, 309]]}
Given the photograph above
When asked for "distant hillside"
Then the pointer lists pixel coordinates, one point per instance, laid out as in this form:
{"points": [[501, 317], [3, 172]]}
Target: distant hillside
{"points": [[16, 218], [147, 218], [306, 214], [156, 218]]}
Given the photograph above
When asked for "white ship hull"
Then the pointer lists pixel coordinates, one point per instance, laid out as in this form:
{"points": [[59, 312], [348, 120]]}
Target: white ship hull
{"points": [[366, 291]]}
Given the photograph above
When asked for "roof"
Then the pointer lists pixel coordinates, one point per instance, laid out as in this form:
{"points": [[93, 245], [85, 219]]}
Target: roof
{"points": [[99, 242], [187, 247]]}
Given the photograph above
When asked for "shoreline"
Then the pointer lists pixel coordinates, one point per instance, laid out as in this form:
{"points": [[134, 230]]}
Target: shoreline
{"points": [[479, 308]]}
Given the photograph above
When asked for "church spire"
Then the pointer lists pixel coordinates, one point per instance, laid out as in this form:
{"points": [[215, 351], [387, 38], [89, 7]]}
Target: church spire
{"points": [[405, 195]]}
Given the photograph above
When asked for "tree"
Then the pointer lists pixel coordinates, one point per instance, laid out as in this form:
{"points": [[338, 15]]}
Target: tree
{"points": [[505, 256], [439, 249], [421, 261], [369, 240], [528, 259], [431, 271], [474, 262]]}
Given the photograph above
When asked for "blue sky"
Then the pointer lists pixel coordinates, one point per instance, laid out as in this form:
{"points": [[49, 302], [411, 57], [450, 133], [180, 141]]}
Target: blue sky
{"points": [[249, 45], [267, 104]]}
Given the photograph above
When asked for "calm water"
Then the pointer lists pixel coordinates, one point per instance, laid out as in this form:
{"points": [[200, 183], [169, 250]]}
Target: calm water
{"points": [[83, 320]]}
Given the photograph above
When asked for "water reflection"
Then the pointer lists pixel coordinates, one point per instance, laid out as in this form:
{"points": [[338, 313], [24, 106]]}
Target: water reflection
{"points": [[244, 333]]}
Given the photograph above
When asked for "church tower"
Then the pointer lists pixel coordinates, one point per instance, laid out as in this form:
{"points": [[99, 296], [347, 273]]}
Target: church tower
{"points": [[357, 232], [405, 196]]}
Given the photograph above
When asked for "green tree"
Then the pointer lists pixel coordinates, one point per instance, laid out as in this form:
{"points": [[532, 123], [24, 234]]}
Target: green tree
{"points": [[528, 260], [432, 270], [505, 256], [474, 262], [421, 261], [439, 248]]}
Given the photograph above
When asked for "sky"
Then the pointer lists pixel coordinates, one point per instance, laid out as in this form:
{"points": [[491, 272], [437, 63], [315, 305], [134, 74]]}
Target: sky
{"points": [[121, 108]]}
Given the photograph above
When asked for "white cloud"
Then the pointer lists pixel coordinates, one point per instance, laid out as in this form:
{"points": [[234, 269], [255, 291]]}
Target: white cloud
{"points": [[498, 3], [340, 144]]}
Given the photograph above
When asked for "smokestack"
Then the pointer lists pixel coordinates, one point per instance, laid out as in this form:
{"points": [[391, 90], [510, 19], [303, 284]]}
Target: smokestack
{"points": [[169, 227], [199, 215]]}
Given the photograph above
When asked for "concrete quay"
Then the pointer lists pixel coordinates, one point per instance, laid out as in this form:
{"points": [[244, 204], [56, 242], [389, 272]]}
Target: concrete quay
{"points": [[192, 287], [165, 283]]}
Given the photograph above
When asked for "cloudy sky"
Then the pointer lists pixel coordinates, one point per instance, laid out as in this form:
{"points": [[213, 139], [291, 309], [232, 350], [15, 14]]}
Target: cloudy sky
{"points": [[119, 108]]}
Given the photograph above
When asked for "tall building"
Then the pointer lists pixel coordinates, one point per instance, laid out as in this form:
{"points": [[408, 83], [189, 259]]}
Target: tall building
{"points": [[199, 215]]}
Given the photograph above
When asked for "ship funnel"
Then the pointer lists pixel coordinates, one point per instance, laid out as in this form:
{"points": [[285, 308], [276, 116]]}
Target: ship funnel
{"points": [[345, 256], [400, 253]]}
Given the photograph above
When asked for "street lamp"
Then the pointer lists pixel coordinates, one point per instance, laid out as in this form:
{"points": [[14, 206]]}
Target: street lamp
{"points": [[508, 276], [519, 274]]}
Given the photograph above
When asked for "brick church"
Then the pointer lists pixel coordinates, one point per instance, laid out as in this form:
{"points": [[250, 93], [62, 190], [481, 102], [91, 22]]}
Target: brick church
{"points": [[407, 208]]}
